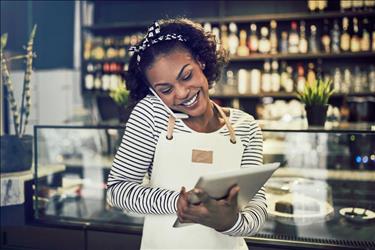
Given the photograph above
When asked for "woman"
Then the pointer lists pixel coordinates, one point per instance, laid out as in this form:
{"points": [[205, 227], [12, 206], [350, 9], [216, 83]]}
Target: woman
{"points": [[180, 62]]}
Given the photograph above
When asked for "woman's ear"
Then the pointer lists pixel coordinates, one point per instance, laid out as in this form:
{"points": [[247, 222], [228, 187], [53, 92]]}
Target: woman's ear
{"points": [[202, 65]]}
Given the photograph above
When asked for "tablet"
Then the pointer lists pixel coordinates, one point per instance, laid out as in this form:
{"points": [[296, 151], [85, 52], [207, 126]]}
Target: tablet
{"points": [[250, 180]]}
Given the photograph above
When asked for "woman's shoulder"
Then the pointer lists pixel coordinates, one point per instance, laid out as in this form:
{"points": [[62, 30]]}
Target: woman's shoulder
{"points": [[237, 115]]}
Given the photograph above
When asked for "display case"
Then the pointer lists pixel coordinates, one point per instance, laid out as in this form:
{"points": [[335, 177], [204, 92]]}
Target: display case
{"points": [[321, 197]]}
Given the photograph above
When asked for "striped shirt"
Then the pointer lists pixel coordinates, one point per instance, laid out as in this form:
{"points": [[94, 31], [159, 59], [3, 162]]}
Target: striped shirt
{"points": [[134, 158]]}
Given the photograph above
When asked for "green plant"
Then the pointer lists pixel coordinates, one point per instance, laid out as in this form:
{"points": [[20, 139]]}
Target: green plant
{"points": [[20, 116], [120, 95], [316, 93]]}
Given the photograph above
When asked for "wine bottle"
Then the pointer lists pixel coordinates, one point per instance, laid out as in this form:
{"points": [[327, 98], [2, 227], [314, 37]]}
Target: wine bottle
{"points": [[253, 39], [284, 42], [335, 37], [301, 80], [233, 40], [311, 75], [224, 37], [313, 45], [293, 41], [266, 77], [326, 38], [273, 37], [243, 50], [303, 47], [365, 40], [345, 37], [355, 40], [275, 76]]}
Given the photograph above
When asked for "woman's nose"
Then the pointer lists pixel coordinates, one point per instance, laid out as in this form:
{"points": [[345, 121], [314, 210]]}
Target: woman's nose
{"points": [[182, 92]]}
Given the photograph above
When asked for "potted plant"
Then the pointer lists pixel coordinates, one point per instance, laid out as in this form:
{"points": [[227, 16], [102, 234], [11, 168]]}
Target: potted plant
{"points": [[120, 96], [16, 150], [315, 96]]}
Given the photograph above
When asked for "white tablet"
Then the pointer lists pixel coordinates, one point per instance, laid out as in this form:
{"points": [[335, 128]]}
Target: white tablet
{"points": [[250, 180]]}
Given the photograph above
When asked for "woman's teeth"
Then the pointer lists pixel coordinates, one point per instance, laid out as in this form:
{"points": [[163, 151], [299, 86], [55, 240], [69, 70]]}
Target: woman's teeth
{"points": [[191, 102]]}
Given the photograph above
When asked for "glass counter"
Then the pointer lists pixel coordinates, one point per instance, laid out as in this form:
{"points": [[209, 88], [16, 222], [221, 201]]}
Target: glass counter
{"points": [[322, 195]]}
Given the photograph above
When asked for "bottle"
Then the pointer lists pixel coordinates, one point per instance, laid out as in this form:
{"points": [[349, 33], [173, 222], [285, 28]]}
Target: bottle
{"points": [[284, 42], [216, 33], [266, 77], [357, 80], [264, 43], [231, 85], [355, 40], [311, 75], [371, 79], [224, 37], [303, 47], [255, 81], [89, 77], [313, 45], [365, 40], [233, 39], [275, 77], [301, 80], [289, 83], [243, 50], [207, 27], [312, 5], [293, 41], [373, 37], [273, 37], [345, 37], [357, 5], [253, 39], [243, 84], [326, 38], [346, 84], [322, 4], [369, 5], [106, 78], [345, 5], [337, 80], [284, 76], [335, 37]]}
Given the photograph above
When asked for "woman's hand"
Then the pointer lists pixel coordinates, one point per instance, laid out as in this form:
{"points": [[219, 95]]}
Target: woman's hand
{"points": [[218, 214]]}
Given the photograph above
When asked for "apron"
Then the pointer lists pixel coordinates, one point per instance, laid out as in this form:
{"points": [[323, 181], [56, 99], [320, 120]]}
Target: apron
{"points": [[178, 162]]}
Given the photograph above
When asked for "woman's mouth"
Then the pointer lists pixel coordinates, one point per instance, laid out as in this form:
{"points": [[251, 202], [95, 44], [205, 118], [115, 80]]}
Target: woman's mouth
{"points": [[191, 101]]}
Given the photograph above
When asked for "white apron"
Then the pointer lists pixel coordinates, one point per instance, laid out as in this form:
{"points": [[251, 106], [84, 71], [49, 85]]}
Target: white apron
{"points": [[173, 167]]}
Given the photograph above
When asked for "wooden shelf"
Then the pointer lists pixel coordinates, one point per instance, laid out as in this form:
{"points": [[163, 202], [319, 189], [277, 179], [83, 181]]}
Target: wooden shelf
{"points": [[260, 57], [284, 95], [238, 19]]}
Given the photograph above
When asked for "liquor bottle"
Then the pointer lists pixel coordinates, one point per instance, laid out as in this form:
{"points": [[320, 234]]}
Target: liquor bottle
{"points": [[293, 41], [322, 4], [345, 5], [266, 77], [284, 42], [312, 5], [335, 37], [273, 37], [89, 77], [313, 44], [106, 78], [255, 81], [233, 39], [253, 43], [357, 80], [275, 76], [365, 40], [243, 84], [355, 40], [301, 80], [345, 37], [243, 50], [357, 5], [207, 27], [264, 42], [326, 38], [284, 76], [337, 80], [346, 84], [303, 46], [289, 83], [311, 75], [224, 37], [231, 85]]}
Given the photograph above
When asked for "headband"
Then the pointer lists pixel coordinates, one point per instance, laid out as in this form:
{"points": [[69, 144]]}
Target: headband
{"points": [[152, 37]]}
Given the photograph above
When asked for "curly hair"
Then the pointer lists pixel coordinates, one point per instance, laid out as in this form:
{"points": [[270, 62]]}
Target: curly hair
{"points": [[201, 45]]}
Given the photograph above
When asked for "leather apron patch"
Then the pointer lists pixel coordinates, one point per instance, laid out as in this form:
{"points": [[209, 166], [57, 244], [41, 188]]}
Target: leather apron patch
{"points": [[202, 156]]}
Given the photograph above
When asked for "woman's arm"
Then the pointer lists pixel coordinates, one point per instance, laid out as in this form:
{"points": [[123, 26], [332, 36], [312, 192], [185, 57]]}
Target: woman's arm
{"points": [[133, 160]]}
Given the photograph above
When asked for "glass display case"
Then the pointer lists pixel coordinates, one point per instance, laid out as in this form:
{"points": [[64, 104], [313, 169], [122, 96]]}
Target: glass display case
{"points": [[322, 195]]}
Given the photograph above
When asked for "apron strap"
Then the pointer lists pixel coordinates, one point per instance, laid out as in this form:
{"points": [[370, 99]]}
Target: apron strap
{"points": [[227, 123], [171, 122]]}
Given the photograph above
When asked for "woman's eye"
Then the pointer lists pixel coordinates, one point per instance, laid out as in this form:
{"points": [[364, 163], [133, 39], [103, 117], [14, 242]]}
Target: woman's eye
{"points": [[187, 76], [166, 90]]}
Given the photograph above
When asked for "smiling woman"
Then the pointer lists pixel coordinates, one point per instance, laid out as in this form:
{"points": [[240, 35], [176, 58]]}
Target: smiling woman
{"points": [[179, 62]]}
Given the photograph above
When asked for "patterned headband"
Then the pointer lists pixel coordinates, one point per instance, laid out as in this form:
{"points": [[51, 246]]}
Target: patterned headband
{"points": [[153, 38]]}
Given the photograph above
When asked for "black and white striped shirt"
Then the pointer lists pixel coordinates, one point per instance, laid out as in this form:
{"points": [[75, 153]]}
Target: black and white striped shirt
{"points": [[134, 157]]}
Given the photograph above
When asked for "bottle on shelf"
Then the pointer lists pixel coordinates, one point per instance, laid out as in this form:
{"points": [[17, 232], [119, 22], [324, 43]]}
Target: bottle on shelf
{"points": [[326, 38], [357, 80], [284, 42], [89, 77], [335, 37], [293, 41], [243, 83], [264, 42], [216, 33], [369, 4], [301, 80], [87, 48], [242, 49], [233, 39], [312, 5], [303, 45], [337, 80], [365, 40], [266, 77], [313, 44], [284, 77], [347, 81], [289, 83], [224, 37], [355, 40], [106, 77], [253, 42], [371, 79], [255, 81], [122, 48], [357, 5], [345, 37], [207, 27], [275, 76], [311, 75], [322, 5], [230, 87], [273, 37], [345, 5]]}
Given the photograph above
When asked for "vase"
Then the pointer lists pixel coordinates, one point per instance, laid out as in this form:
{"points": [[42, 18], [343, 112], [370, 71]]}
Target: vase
{"points": [[16, 153], [316, 114]]}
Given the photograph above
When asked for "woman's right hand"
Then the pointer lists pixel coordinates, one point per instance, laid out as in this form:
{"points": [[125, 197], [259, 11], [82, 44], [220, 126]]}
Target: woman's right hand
{"points": [[182, 204]]}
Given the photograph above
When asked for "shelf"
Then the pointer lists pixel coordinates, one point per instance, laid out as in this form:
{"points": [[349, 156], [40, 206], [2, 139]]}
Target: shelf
{"points": [[260, 57], [283, 95], [238, 19]]}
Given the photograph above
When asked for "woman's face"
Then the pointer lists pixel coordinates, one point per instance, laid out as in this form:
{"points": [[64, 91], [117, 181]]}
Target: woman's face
{"points": [[179, 81]]}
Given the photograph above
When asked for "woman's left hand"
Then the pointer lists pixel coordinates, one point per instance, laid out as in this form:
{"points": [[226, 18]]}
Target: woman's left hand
{"points": [[218, 214]]}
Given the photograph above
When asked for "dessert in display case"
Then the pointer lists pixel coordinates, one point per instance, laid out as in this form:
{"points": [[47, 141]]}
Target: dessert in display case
{"points": [[321, 197]]}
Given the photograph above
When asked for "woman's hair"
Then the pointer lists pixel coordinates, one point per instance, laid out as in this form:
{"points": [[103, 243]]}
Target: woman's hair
{"points": [[200, 44]]}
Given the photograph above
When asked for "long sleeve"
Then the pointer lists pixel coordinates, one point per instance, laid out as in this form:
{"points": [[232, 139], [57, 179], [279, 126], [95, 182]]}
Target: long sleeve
{"points": [[133, 160], [253, 215]]}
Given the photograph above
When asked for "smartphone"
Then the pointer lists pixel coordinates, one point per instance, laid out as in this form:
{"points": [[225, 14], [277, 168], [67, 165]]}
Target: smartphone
{"points": [[177, 115]]}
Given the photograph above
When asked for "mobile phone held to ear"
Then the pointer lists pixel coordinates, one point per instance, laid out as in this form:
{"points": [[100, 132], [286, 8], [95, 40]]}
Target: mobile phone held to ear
{"points": [[177, 115]]}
